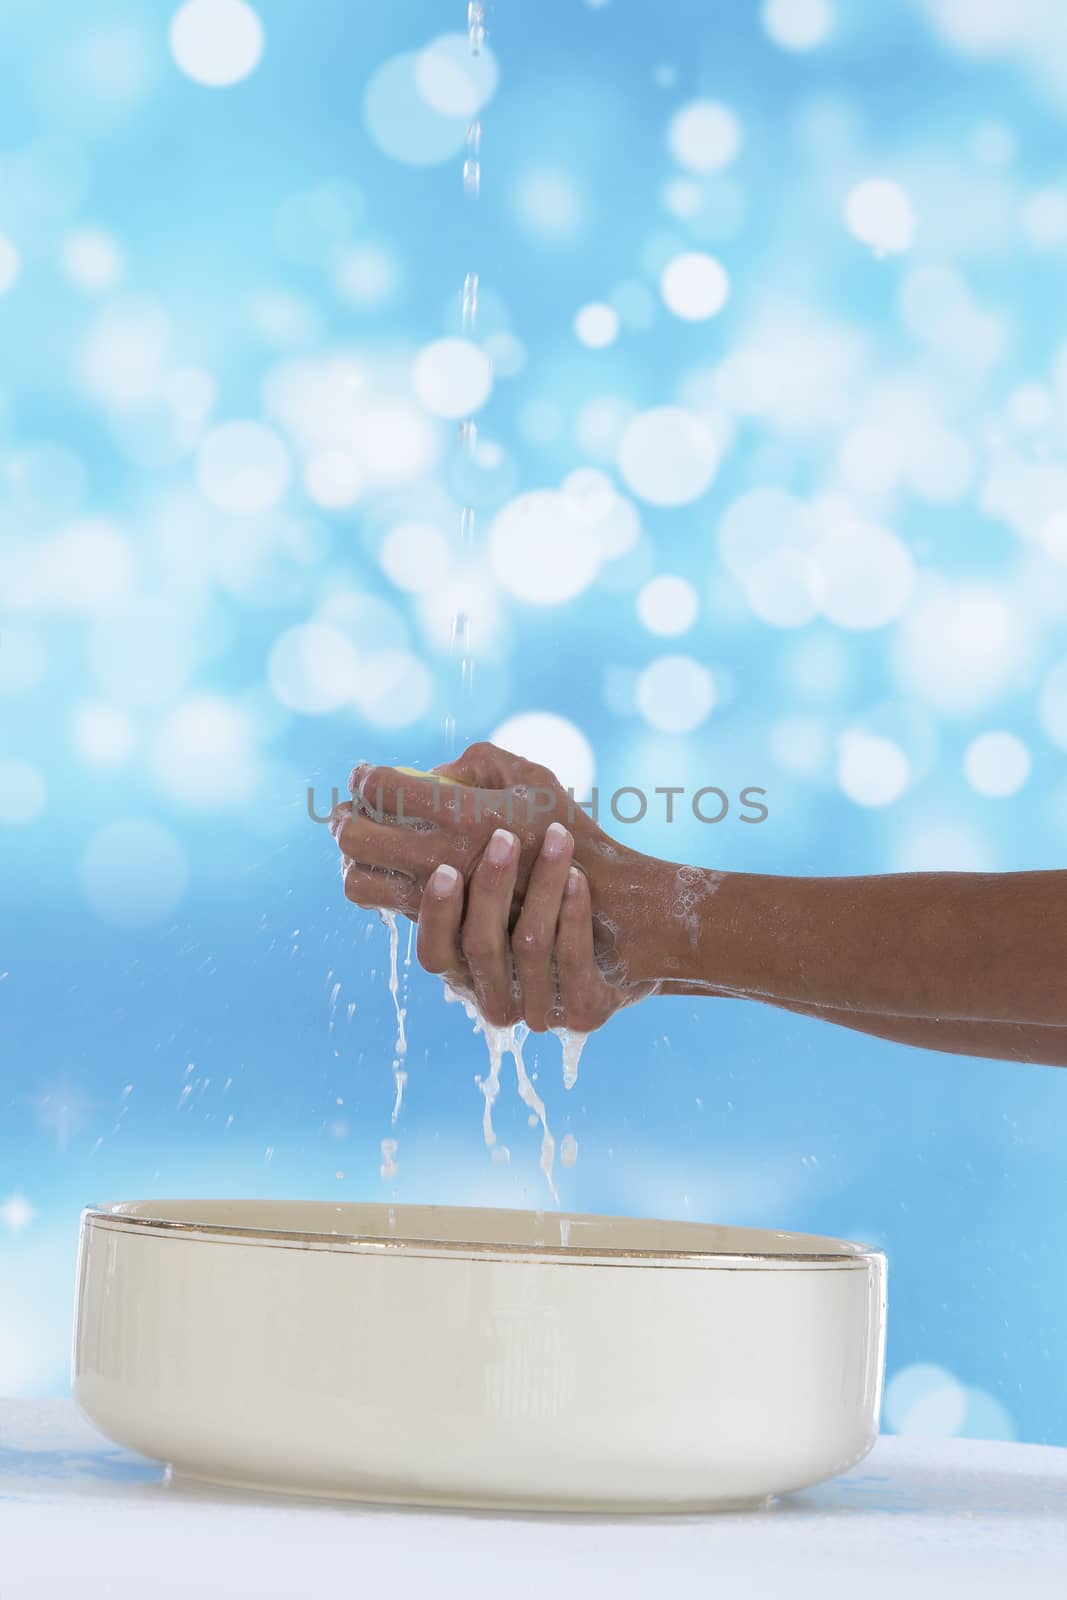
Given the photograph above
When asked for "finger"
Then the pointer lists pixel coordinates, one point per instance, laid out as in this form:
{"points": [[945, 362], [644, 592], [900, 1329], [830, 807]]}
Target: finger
{"points": [[581, 986], [484, 936], [378, 890], [388, 795], [533, 938], [440, 916], [389, 845], [339, 816]]}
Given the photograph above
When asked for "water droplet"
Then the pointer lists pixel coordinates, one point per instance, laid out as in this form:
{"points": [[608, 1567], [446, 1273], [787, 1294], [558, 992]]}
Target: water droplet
{"points": [[472, 178]]}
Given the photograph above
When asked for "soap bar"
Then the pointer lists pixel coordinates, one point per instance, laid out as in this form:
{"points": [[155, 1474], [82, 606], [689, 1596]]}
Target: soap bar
{"points": [[435, 777]]}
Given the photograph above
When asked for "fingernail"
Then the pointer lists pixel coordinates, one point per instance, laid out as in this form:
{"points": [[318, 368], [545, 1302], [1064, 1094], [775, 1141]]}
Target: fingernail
{"points": [[443, 881], [574, 881], [500, 847], [557, 838]]}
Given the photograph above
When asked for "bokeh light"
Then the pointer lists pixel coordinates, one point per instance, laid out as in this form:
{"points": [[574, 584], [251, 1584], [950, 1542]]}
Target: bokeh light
{"points": [[216, 42]]}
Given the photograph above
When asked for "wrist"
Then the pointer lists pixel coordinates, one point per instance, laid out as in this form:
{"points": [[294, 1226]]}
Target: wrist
{"points": [[662, 915]]}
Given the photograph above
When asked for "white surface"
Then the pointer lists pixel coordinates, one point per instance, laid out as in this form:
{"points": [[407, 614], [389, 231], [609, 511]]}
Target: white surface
{"points": [[81, 1520]]}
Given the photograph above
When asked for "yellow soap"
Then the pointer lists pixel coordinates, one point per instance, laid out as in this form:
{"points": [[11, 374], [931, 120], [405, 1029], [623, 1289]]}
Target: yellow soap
{"points": [[435, 777]]}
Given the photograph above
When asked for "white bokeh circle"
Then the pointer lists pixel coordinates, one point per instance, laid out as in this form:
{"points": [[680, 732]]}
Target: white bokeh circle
{"points": [[694, 286], [861, 575], [204, 755], [997, 764], [554, 742], [1052, 704], [313, 668], [103, 734], [675, 694], [879, 212], [454, 81], [393, 688], [133, 873], [243, 467], [9, 264], [597, 325], [216, 42], [542, 549], [797, 24], [669, 456], [415, 556], [704, 136], [23, 794], [871, 770], [667, 605], [452, 377]]}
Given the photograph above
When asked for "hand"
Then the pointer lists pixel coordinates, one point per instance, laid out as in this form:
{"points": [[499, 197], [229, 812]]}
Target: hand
{"points": [[544, 970], [399, 829]]}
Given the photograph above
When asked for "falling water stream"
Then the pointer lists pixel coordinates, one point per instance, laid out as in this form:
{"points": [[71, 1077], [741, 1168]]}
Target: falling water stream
{"points": [[499, 1041]]}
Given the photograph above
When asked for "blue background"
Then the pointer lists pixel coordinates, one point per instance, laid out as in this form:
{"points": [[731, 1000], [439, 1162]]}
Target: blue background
{"points": [[172, 928]]}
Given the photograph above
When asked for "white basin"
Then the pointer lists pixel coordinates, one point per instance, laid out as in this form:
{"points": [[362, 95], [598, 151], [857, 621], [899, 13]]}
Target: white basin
{"points": [[484, 1358]]}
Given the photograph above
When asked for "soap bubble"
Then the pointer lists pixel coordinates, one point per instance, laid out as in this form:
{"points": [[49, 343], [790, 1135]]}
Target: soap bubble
{"points": [[216, 42]]}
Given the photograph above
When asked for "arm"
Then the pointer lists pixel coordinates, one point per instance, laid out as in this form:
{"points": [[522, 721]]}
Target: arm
{"points": [[973, 963], [967, 947]]}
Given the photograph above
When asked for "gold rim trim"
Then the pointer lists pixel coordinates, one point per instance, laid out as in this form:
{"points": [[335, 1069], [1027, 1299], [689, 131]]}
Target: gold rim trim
{"points": [[362, 1244]]}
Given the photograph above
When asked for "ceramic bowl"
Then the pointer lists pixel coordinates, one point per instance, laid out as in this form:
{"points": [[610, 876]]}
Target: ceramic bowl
{"points": [[464, 1357]]}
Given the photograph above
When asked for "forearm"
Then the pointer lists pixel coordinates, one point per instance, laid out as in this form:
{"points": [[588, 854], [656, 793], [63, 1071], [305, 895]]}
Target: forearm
{"points": [[963, 947], [989, 1041]]}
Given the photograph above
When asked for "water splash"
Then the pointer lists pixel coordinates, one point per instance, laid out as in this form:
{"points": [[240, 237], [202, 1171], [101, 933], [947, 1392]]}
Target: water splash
{"points": [[500, 1042], [573, 1044], [400, 1047]]}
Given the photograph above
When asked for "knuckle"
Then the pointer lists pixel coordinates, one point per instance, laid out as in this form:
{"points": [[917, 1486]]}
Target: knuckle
{"points": [[530, 941], [478, 944]]}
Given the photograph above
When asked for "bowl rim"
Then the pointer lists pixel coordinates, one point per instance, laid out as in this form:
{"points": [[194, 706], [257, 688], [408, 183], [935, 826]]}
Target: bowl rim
{"points": [[112, 1218]]}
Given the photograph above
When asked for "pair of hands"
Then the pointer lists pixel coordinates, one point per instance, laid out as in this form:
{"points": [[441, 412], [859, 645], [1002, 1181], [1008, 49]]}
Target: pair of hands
{"points": [[521, 900]]}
